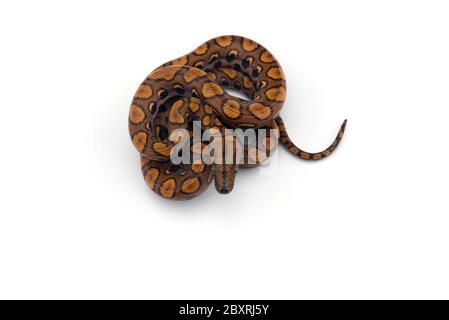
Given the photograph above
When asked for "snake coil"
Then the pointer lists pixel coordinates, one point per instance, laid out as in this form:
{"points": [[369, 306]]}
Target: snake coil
{"points": [[190, 90]]}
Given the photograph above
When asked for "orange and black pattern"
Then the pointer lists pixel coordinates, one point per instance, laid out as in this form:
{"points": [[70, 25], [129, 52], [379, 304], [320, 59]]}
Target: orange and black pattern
{"points": [[191, 88]]}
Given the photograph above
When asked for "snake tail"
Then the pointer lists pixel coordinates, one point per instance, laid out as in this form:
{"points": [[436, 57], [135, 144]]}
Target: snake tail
{"points": [[288, 143]]}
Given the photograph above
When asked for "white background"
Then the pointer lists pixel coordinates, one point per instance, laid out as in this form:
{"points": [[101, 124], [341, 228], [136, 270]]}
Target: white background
{"points": [[78, 221]]}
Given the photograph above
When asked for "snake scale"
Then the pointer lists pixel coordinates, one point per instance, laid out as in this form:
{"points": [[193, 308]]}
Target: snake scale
{"points": [[192, 89]]}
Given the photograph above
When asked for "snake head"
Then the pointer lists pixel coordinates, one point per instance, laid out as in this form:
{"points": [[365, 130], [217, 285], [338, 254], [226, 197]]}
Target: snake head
{"points": [[224, 175]]}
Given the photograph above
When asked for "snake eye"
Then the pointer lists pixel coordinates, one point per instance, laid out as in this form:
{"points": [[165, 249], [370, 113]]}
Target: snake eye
{"points": [[237, 85]]}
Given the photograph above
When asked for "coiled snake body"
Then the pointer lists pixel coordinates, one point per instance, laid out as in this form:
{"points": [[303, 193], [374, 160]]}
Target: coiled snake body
{"points": [[192, 88]]}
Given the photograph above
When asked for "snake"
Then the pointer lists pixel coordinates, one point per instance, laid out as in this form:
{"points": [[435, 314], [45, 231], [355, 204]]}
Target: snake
{"points": [[194, 89]]}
